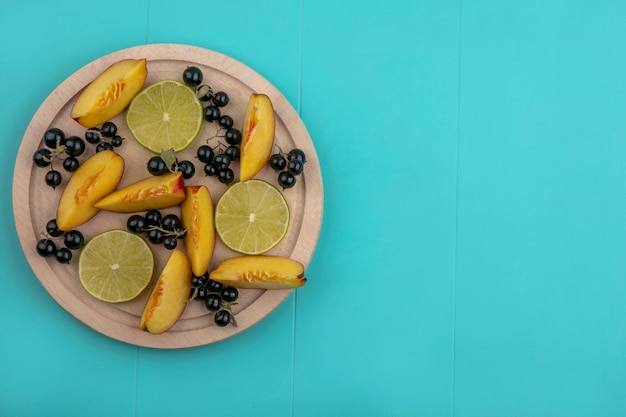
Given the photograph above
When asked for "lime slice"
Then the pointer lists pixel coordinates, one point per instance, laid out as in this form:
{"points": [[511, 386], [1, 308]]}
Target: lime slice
{"points": [[165, 115], [251, 217], [115, 266]]}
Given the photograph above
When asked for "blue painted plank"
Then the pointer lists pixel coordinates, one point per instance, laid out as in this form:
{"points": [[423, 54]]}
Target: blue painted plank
{"points": [[374, 324], [540, 288], [50, 363]]}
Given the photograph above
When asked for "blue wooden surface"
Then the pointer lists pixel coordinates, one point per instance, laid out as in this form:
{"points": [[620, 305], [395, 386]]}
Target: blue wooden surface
{"points": [[471, 260]]}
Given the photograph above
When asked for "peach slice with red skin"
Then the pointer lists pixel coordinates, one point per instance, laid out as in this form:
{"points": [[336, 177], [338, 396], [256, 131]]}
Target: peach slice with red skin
{"points": [[151, 193], [110, 92], [260, 271], [169, 296], [257, 136], [197, 216], [96, 177]]}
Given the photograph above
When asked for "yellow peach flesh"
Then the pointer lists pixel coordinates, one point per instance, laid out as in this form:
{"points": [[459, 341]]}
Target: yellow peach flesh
{"points": [[110, 93], [95, 178], [260, 271], [169, 297], [151, 193]]}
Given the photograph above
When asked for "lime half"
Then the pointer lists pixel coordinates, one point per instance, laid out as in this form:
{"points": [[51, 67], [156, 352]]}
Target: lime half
{"points": [[165, 115], [251, 217], [115, 266]]}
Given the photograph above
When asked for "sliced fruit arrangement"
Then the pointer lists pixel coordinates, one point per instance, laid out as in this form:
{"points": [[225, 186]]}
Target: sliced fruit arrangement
{"points": [[261, 271], [251, 216], [169, 296], [110, 93]]}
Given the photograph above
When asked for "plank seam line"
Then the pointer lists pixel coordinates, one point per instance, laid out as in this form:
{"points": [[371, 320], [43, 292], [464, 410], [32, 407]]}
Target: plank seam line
{"points": [[295, 296], [456, 210]]}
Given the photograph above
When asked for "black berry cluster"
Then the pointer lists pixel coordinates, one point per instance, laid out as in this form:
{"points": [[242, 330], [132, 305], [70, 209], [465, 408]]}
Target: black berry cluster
{"points": [[58, 147], [159, 229], [288, 166], [167, 162], [104, 137], [216, 297], [67, 149], [216, 159], [72, 240]]}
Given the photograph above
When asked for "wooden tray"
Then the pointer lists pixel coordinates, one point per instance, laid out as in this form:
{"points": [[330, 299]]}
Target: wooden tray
{"points": [[34, 203]]}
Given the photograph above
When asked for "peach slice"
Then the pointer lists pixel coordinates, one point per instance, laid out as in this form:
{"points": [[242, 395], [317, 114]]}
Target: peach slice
{"points": [[260, 271], [95, 178], [169, 296], [197, 217], [110, 93], [151, 193], [257, 136]]}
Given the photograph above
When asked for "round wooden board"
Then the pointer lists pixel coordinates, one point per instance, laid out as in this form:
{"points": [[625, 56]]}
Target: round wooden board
{"points": [[34, 203]]}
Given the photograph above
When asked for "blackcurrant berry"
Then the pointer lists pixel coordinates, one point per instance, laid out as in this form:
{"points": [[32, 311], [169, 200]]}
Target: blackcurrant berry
{"points": [[286, 179], [213, 302], [63, 255], [117, 141], [109, 129], [74, 239], [202, 293], [233, 136], [297, 154], [42, 157], [221, 161], [155, 236], [74, 146], [278, 162], [222, 318], [230, 294], [199, 281], [204, 93], [295, 166], [170, 222], [226, 175], [214, 286], [211, 113], [104, 146], [205, 154], [232, 152], [187, 168], [92, 135], [136, 223], [46, 247], [210, 169], [54, 138], [170, 242], [53, 178], [157, 166], [220, 99], [192, 76], [153, 218], [226, 122], [52, 229], [70, 164]]}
